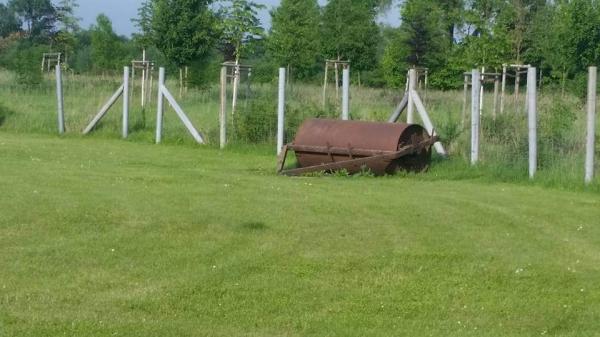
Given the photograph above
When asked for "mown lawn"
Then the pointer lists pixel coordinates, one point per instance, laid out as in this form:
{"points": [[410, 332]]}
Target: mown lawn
{"points": [[111, 238]]}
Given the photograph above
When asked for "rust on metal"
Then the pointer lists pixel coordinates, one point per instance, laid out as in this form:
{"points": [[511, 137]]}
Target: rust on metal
{"points": [[383, 148]]}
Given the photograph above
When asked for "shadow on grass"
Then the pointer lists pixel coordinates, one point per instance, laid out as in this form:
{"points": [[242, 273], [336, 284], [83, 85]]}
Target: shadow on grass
{"points": [[253, 226], [5, 113]]}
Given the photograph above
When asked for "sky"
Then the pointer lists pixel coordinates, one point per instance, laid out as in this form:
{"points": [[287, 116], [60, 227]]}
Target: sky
{"points": [[122, 11]]}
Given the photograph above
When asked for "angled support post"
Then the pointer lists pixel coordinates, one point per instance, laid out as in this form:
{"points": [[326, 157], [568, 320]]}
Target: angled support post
{"points": [[164, 92], [439, 148], [398, 111]]}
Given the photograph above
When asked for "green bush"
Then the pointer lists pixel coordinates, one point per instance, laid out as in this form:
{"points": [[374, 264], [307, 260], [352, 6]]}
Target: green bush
{"points": [[26, 63]]}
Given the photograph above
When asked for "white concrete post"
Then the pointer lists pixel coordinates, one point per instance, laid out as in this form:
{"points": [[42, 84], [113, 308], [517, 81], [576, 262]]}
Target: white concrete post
{"points": [[475, 92], [532, 118], [60, 101], [223, 112], [281, 111], [412, 85], [160, 108], [591, 125], [503, 89], [125, 130], [346, 94]]}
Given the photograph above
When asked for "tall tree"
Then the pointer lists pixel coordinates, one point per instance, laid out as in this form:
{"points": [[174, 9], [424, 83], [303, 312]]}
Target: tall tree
{"points": [[9, 23], [294, 39], [424, 33], [39, 17], [350, 32], [183, 29], [106, 46]]}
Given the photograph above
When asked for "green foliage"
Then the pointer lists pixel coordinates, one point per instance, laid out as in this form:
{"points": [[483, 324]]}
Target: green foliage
{"points": [[26, 64], [143, 22], [9, 22], [350, 32], [423, 34], [39, 17], [183, 30], [106, 47], [257, 123], [294, 40]]}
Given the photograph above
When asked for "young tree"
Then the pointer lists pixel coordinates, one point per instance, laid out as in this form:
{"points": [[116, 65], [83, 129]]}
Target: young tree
{"points": [[240, 26], [294, 38], [9, 23], [144, 24], [39, 17], [350, 32]]}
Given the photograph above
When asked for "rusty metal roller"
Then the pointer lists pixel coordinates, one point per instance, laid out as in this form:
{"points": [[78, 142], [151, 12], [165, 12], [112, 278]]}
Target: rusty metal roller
{"points": [[384, 148]]}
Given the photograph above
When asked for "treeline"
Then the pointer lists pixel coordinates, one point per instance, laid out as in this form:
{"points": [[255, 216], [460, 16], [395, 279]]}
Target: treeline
{"points": [[560, 37]]}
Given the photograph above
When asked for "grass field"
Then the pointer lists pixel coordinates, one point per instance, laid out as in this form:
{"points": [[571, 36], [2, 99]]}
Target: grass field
{"points": [[102, 237]]}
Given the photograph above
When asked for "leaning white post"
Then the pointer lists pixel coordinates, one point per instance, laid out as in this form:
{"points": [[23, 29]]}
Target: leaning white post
{"points": [[281, 111], [223, 112], [412, 85], [346, 93], [532, 117], [475, 87], [591, 125], [125, 102], [59, 101], [160, 108]]}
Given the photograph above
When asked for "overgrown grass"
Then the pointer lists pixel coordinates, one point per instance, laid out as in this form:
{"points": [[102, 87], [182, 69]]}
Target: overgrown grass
{"points": [[100, 237], [504, 140]]}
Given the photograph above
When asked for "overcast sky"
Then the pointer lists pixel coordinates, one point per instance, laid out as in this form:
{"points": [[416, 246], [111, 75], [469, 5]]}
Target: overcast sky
{"points": [[122, 11]]}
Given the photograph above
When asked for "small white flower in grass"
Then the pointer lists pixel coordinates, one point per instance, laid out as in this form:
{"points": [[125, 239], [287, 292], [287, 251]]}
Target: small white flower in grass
{"points": [[112, 250], [214, 267], [519, 270], [582, 290], [579, 228], [544, 332]]}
